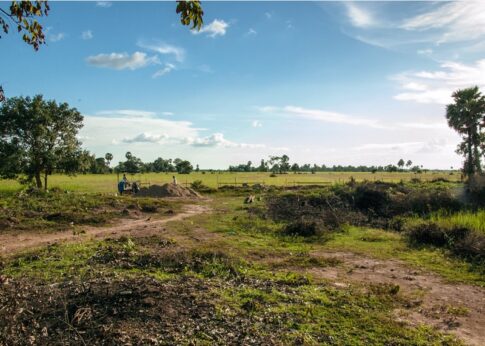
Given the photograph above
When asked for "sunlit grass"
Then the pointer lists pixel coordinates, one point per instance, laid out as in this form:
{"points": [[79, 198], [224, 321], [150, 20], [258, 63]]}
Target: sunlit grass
{"points": [[107, 183], [471, 220]]}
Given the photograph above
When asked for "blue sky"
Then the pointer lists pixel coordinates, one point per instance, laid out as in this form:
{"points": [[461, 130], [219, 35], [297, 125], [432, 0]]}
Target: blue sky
{"points": [[323, 82]]}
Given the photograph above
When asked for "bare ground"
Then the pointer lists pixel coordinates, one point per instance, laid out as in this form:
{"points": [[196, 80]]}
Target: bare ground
{"points": [[140, 227], [453, 308]]}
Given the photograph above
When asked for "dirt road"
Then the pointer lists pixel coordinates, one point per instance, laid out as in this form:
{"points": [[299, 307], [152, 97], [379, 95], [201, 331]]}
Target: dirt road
{"points": [[14, 243]]}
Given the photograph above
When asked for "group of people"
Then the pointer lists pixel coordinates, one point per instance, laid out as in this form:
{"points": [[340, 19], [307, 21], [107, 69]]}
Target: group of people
{"points": [[125, 185]]}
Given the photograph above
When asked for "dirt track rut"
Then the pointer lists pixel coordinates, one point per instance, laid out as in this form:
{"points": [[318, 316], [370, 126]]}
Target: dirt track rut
{"points": [[14, 243]]}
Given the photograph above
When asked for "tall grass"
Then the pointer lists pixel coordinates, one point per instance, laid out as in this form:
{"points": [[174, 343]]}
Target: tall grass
{"points": [[472, 220]]}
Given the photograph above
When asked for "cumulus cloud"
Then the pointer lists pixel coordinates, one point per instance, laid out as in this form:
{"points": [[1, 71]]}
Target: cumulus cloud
{"points": [[217, 27], [256, 123], [122, 61], [164, 48], [166, 69], [437, 86], [87, 35], [218, 140], [144, 138], [322, 115]]}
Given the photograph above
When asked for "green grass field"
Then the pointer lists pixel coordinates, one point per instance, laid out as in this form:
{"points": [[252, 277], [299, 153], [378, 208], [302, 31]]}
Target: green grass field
{"points": [[106, 183]]}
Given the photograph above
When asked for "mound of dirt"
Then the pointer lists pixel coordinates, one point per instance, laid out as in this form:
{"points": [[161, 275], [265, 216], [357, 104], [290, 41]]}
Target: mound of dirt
{"points": [[168, 190]]}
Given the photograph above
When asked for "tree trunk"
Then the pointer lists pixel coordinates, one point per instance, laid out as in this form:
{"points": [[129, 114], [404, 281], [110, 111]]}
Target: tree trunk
{"points": [[38, 182], [470, 162], [45, 180]]}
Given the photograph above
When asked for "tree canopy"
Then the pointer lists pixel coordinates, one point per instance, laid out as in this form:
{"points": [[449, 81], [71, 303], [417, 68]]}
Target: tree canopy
{"points": [[466, 116], [38, 137]]}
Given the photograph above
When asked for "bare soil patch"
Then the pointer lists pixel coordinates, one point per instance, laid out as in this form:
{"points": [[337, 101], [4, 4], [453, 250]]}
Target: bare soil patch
{"points": [[140, 227], [453, 308], [168, 190]]}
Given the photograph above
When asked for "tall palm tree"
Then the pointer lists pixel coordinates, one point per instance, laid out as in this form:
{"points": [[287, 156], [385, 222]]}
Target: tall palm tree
{"points": [[465, 116]]}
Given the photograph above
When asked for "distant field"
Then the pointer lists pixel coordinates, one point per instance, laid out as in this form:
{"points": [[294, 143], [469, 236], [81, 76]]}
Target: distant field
{"points": [[107, 182]]}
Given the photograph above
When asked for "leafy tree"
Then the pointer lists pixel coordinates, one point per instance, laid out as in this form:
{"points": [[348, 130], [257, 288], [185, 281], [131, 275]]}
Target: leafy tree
{"points": [[400, 163], [263, 166], [38, 137], [161, 165], [183, 167], [132, 164], [409, 163], [281, 164], [295, 168], [465, 116], [108, 157]]}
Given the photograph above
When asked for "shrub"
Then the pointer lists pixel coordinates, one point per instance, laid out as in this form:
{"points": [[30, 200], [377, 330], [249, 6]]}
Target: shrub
{"points": [[370, 198], [304, 228], [462, 241]]}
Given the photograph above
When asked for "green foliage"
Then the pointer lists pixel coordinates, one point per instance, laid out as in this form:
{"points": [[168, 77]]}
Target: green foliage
{"points": [[38, 137], [183, 166], [191, 13], [465, 115]]}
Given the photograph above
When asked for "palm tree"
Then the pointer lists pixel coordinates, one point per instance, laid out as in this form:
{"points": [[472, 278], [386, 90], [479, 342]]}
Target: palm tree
{"points": [[108, 157], [465, 115]]}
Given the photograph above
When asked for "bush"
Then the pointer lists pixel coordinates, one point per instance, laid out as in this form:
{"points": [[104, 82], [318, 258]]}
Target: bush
{"points": [[304, 228], [462, 241], [370, 198]]}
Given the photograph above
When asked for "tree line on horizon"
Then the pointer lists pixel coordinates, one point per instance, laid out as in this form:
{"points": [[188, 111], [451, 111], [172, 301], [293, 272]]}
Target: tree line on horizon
{"points": [[282, 165], [38, 137]]}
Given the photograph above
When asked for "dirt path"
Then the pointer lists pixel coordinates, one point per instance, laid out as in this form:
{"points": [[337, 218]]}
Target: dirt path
{"points": [[453, 308], [11, 244]]}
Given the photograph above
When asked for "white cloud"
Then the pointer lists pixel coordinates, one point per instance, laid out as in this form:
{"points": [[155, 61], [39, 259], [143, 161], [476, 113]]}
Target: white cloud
{"points": [[358, 16], [217, 27], [437, 86], [167, 113], [104, 4], [122, 61], [429, 147], [87, 35], [425, 126], [218, 140], [322, 115], [126, 113], [162, 72], [164, 48], [144, 137], [456, 21], [57, 37], [256, 123]]}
